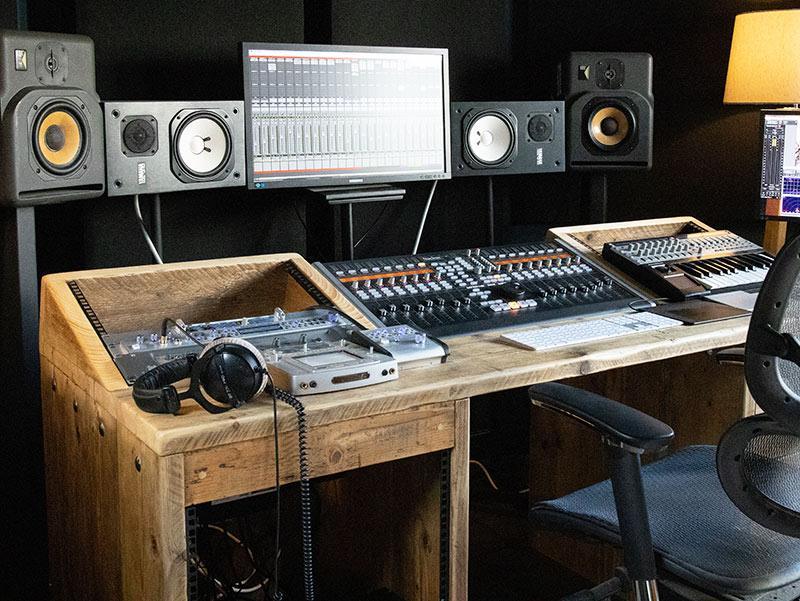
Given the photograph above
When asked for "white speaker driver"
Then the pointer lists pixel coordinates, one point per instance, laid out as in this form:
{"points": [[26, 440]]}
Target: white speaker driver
{"points": [[203, 146], [490, 139]]}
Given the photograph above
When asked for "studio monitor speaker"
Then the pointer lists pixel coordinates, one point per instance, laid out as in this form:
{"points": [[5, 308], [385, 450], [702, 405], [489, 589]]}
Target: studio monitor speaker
{"points": [[609, 100], [168, 146], [495, 138], [51, 136]]}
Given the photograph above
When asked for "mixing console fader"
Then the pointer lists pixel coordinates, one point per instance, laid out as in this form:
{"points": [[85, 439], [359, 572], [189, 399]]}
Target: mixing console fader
{"points": [[467, 291]]}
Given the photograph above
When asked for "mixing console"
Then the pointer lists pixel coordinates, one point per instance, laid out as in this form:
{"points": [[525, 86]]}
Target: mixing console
{"points": [[465, 291]]}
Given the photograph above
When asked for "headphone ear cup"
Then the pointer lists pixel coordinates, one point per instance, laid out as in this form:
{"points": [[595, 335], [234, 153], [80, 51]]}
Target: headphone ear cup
{"points": [[232, 371]]}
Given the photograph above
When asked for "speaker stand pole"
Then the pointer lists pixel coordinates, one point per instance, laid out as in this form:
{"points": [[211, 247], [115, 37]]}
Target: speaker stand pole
{"points": [[19, 344], [596, 197], [490, 201]]}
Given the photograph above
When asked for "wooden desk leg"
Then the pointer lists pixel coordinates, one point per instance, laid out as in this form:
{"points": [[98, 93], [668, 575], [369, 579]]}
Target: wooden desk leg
{"points": [[152, 522], [459, 504]]}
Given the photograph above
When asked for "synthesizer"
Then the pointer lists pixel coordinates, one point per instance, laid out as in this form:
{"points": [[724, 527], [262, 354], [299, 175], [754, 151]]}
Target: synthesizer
{"points": [[467, 291], [687, 265]]}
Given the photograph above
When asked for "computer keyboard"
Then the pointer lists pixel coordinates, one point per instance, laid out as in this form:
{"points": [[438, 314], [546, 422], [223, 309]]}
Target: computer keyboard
{"points": [[588, 330]]}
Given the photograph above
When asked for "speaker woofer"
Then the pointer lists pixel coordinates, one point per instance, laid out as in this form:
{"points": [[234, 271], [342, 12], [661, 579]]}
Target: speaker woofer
{"points": [[202, 145], [60, 137], [490, 138], [610, 126]]}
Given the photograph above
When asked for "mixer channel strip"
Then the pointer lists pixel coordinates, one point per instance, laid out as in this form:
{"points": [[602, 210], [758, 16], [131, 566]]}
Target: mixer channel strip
{"points": [[467, 291]]}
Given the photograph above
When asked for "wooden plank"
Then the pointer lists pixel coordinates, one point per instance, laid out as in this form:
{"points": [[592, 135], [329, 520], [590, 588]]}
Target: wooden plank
{"points": [[478, 365], [237, 468], [141, 297], [459, 505], [591, 238], [152, 524], [774, 236]]}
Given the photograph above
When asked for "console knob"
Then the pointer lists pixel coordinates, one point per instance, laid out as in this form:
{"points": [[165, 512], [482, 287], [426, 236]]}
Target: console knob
{"points": [[467, 301], [404, 279], [479, 270], [441, 302], [392, 281], [457, 304], [367, 284], [420, 308], [429, 303], [392, 308], [383, 313], [379, 282], [354, 285], [406, 308]]}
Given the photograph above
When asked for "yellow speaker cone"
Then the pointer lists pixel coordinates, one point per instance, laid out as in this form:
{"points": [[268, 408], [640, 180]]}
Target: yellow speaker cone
{"points": [[609, 126], [59, 138]]}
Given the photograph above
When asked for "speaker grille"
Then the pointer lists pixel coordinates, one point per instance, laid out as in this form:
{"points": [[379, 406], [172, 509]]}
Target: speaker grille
{"points": [[60, 137], [202, 145]]}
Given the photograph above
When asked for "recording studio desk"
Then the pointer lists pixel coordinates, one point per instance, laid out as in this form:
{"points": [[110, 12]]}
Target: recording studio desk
{"points": [[119, 481]]}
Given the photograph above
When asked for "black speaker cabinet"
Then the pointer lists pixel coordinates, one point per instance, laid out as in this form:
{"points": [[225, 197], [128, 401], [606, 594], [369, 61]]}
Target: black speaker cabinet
{"points": [[168, 146], [496, 138], [609, 99], [51, 137]]}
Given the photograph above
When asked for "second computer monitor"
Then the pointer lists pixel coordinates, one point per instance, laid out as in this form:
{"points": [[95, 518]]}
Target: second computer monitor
{"points": [[345, 115], [780, 164]]}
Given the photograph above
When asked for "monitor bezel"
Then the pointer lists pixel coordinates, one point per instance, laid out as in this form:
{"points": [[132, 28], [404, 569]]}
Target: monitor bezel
{"points": [[790, 111], [343, 180]]}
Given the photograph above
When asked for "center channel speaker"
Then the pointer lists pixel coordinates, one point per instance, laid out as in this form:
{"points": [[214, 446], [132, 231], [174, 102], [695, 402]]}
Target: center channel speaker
{"points": [[609, 98], [51, 137], [154, 147], [496, 138]]}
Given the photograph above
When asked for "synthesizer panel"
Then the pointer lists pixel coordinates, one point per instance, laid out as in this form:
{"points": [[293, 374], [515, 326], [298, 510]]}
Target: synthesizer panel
{"points": [[475, 290], [688, 265]]}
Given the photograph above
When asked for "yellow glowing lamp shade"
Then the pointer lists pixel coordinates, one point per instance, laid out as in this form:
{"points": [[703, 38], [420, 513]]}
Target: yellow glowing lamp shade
{"points": [[764, 66]]}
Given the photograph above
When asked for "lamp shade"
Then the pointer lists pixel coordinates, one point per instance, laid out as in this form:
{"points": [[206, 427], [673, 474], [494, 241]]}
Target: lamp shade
{"points": [[764, 66]]}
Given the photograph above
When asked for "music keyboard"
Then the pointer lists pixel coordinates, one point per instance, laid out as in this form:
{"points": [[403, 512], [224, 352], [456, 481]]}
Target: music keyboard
{"points": [[687, 265]]}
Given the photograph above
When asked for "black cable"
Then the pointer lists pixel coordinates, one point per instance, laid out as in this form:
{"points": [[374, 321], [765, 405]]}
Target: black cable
{"points": [[169, 320], [374, 223], [305, 489], [275, 592]]}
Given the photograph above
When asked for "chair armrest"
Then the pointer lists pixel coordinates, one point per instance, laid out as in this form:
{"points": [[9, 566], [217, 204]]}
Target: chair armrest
{"points": [[729, 356], [619, 423]]}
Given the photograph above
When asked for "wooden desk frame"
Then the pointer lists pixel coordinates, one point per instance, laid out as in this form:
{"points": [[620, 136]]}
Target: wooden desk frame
{"points": [[119, 481]]}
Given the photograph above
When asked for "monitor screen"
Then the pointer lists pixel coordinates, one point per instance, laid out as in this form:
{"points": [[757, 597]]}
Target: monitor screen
{"points": [[345, 115], [780, 164]]}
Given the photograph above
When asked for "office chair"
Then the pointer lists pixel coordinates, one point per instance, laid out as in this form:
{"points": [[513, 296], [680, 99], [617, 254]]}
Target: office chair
{"points": [[705, 522]]}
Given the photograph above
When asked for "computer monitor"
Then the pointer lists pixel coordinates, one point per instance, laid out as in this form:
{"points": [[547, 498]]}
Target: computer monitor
{"points": [[345, 115], [780, 164]]}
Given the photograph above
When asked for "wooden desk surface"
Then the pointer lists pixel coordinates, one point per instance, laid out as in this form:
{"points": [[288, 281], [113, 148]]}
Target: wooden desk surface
{"points": [[477, 365]]}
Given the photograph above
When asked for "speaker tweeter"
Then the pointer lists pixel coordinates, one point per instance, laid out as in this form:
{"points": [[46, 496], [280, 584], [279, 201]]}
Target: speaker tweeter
{"points": [[139, 135]]}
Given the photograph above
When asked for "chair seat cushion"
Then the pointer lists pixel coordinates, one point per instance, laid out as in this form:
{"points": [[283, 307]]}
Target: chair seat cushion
{"points": [[698, 533]]}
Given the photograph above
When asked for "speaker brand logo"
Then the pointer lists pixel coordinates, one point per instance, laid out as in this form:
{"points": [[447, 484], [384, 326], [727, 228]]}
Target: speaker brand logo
{"points": [[540, 156], [141, 174], [21, 59]]}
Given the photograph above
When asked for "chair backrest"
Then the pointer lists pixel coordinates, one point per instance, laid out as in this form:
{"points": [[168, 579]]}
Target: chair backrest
{"points": [[758, 459]]}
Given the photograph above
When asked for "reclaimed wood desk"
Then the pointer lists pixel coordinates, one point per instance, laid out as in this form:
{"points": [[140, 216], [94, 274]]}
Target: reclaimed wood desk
{"points": [[120, 482]]}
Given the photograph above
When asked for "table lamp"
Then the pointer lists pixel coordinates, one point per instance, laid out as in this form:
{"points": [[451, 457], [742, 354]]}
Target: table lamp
{"points": [[764, 68]]}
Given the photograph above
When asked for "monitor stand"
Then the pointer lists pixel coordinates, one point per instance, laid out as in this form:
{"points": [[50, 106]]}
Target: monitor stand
{"points": [[337, 211]]}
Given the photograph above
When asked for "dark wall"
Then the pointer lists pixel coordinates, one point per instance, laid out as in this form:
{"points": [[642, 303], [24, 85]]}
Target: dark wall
{"points": [[706, 154]]}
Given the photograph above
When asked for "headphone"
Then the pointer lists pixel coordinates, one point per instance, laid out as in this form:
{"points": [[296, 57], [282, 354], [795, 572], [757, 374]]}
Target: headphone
{"points": [[231, 371]]}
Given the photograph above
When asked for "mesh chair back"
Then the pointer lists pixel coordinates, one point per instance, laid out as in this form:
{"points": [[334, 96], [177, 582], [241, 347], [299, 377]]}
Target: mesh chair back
{"points": [[758, 459]]}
